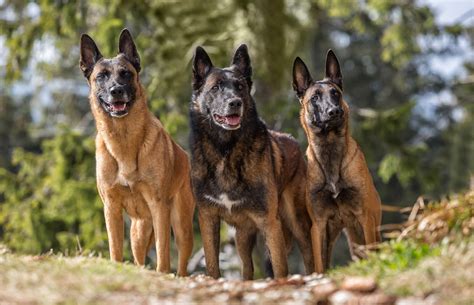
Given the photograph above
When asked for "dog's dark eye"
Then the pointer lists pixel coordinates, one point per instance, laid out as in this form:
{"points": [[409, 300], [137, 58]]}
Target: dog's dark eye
{"points": [[240, 87], [215, 88], [125, 74], [334, 92], [102, 75]]}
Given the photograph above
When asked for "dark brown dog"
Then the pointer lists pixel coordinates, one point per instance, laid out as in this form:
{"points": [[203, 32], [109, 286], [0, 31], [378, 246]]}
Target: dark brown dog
{"points": [[139, 167], [340, 191], [243, 173]]}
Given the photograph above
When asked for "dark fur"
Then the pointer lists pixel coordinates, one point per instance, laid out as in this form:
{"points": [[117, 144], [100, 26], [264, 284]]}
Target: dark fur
{"points": [[249, 164]]}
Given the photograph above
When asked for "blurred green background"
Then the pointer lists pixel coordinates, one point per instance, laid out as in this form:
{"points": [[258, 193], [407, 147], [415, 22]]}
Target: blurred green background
{"points": [[408, 78]]}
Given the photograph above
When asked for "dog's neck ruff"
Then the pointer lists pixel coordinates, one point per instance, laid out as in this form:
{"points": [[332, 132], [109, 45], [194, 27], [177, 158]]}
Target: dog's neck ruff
{"points": [[329, 156]]}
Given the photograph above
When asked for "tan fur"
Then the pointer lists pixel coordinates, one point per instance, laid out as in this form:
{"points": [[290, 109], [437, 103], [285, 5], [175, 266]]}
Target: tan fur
{"points": [[358, 208], [140, 169]]}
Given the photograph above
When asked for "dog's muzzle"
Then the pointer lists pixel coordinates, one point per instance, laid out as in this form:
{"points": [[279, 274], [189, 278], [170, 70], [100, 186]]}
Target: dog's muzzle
{"points": [[229, 122], [232, 118], [116, 108]]}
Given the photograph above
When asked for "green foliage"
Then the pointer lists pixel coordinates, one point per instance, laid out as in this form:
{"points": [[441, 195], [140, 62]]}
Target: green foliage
{"points": [[51, 201], [392, 257], [383, 46], [433, 254], [409, 268]]}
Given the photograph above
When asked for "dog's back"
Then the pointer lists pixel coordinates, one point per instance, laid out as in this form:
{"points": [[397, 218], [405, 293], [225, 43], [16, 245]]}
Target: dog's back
{"points": [[292, 163]]}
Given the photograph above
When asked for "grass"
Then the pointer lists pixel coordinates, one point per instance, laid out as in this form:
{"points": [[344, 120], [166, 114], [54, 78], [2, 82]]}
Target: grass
{"points": [[406, 268], [431, 258], [432, 255], [55, 279]]}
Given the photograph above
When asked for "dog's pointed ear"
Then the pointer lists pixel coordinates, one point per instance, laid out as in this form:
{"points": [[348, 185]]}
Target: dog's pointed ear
{"points": [[202, 65], [333, 69], [90, 54], [241, 61], [128, 48], [301, 77]]}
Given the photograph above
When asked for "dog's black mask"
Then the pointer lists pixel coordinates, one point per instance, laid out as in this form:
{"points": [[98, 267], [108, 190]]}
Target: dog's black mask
{"points": [[115, 88], [223, 95], [322, 100], [114, 80]]}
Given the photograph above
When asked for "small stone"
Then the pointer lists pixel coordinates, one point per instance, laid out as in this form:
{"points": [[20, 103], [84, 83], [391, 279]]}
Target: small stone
{"points": [[298, 277], [236, 295], [313, 277], [377, 298], [221, 298], [359, 284], [250, 297], [323, 291], [295, 281], [259, 285], [342, 297], [414, 300]]}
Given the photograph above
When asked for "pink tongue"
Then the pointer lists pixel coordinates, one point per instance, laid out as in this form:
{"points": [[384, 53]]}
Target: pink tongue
{"points": [[119, 107], [232, 120]]}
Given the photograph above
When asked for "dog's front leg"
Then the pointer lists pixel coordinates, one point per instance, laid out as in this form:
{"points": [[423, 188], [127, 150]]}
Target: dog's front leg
{"points": [[371, 216], [276, 246], [160, 210], [245, 239], [318, 239], [370, 228], [141, 231], [114, 224], [209, 224], [318, 229]]}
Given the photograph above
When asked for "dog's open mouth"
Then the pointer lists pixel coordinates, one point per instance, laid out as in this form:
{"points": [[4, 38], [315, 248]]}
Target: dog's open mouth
{"points": [[230, 122], [116, 109]]}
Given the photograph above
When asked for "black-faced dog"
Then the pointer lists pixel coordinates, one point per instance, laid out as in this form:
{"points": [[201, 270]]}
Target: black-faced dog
{"points": [[340, 192], [243, 173]]}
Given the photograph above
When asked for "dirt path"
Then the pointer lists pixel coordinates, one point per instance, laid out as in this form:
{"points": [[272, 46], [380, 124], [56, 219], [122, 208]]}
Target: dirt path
{"points": [[89, 280]]}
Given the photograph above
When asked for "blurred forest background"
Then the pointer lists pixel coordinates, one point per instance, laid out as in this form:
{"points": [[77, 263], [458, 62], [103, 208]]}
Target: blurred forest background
{"points": [[408, 79]]}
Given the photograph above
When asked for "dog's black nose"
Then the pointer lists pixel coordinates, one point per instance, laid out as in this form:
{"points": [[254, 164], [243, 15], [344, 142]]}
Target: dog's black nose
{"points": [[235, 103], [334, 112], [116, 91]]}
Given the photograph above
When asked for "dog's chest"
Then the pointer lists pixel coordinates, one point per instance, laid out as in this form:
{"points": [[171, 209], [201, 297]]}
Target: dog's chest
{"points": [[223, 200], [344, 208], [329, 161], [127, 179], [230, 186], [240, 196]]}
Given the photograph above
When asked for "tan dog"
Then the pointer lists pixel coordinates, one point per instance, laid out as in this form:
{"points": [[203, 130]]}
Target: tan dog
{"points": [[139, 167], [340, 191]]}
